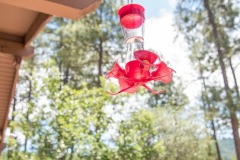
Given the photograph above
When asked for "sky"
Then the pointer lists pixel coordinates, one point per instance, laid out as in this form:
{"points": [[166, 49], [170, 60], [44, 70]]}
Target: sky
{"points": [[160, 35], [152, 7]]}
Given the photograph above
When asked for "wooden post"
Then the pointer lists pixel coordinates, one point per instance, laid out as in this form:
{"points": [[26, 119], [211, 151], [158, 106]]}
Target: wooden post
{"points": [[2, 147]]}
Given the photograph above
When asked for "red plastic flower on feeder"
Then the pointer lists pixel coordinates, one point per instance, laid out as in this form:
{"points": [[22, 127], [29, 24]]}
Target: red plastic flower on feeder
{"points": [[145, 68]]}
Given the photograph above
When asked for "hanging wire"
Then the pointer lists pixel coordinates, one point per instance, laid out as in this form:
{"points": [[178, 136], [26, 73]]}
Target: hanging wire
{"points": [[130, 1]]}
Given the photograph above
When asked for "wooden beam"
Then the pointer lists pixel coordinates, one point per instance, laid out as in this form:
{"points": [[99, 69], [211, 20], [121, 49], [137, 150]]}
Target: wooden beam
{"points": [[10, 37], [2, 147], [88, 9], [72, 9], [26, 53], [36, 27], [15, 48], [18, 61], [77, 4]]}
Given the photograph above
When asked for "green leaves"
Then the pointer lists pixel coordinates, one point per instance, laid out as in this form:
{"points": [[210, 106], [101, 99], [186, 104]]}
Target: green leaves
{"points": [[137, 137], [64, 113], [211, 43]]}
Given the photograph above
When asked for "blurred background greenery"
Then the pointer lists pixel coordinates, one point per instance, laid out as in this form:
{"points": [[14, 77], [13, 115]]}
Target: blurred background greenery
{"points": [[61, 111]]}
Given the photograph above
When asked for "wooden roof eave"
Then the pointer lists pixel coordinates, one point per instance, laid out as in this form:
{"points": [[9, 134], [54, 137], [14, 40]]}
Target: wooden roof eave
{"points": [[20, 46], [71, 9]]}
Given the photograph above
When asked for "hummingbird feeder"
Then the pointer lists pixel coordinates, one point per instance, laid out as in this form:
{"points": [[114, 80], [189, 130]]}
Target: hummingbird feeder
{"points": [[141, 66]]}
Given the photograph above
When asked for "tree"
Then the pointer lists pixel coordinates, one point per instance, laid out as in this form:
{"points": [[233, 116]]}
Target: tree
{"points": [[25, 118], [137, 138], [208, 96], [183, 136], [94, 35], [204, 21], [85, 49], [69, 113]]}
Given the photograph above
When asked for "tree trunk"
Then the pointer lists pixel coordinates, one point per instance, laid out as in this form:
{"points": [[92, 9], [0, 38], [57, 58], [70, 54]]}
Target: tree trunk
{"points": [[100, 51], [66, 76], [27, 114], [235, 125], [98, 137], [230, 103], [208, 105], [72, 150], [14, 108], [25, 144], [216, 141], [234, 77], [11, 128], [100, 62]]}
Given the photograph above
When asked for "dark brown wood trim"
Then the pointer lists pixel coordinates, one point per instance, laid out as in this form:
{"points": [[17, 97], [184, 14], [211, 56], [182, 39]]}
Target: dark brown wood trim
{"points": [[36, 27], [10, 37], [80, 4], [87, 9], [15, 48]]}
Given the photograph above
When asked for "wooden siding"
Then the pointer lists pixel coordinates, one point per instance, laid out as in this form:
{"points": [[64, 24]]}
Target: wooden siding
{"points": [[7, 76]]}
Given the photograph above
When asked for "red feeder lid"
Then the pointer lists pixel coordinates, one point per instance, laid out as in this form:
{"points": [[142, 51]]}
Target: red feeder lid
{"points": [[131, 16]]}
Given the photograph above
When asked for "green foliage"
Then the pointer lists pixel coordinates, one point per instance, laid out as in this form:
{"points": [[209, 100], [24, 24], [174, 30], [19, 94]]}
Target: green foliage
{"points": [[209, 27], [183, 136], [137, 138], [74, 123], [173, 97], [63, 113], [85, 49]]}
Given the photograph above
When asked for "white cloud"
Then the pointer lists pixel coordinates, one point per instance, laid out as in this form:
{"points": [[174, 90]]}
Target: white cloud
{"points": [[172, 3]]}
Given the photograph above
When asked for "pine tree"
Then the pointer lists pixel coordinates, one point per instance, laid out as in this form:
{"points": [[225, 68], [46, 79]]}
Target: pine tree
{"points": [[201, 21]]}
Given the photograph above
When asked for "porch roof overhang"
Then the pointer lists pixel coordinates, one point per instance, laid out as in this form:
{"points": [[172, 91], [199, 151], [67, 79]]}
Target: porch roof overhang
{"points": [[20, 23]]}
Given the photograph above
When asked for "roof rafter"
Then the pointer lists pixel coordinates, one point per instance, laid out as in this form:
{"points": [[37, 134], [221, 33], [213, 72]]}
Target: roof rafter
{"points": [[10, 37], [36, 27]]}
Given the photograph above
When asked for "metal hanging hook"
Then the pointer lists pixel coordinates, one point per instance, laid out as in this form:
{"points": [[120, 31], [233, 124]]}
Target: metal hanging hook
{"points": [[130, 1]]}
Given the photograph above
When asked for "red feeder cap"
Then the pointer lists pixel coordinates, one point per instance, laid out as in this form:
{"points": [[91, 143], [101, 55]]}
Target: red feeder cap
{"points": [[131, 16]]}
